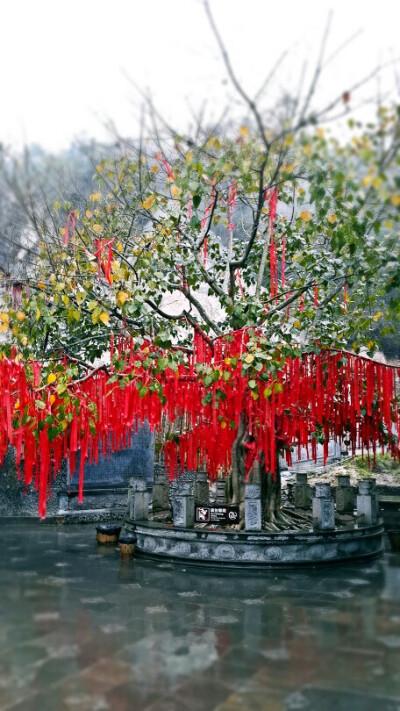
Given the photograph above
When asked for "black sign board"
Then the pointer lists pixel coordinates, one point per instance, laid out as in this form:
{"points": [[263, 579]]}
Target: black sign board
{"points": [[217, 514]]}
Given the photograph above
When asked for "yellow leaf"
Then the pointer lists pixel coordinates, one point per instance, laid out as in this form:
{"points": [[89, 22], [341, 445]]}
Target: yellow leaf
{"points": [[332, 218], [149, 202], [17, 405], [175, 191], [104, 317], [289, 139], [395, 200], [244, 131], [95, 197], [305, 215], [307, 150], [249, 358], [51, 378], [98, 229], [367, 180], [20, 316], [214, 142], [122, 296], [52, 399], [4, 322], [297, 324], [377, 182], [154, 168], [320, 132], [89, 214], [223, 424], [377, 316], [120, 247]]}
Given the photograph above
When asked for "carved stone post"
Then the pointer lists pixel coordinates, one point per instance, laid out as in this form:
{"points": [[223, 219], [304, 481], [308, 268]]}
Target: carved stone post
{"points": [[201, 493], [252, 507], [160, 500], [344, 495], [182, 500], [302, 491], [221, 492], [138, 503], [323, 510], [367, 503]]}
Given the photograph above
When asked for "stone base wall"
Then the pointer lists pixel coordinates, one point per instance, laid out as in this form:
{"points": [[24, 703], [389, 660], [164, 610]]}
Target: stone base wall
{"points": [[256, 550]]}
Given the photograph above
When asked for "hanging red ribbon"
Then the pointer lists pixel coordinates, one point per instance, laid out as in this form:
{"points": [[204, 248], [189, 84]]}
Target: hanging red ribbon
{"points": [[69, 229], [103, 254], [271, 196]]}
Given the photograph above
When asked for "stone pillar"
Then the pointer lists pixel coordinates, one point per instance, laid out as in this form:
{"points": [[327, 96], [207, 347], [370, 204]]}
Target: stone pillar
{"points": [[252, 507], [367, 503], [63, 503], [302, 492], [201, 493], [323, 510], [221, 492], [160, 499], [344, 495], [182, 500], [138, 501]]}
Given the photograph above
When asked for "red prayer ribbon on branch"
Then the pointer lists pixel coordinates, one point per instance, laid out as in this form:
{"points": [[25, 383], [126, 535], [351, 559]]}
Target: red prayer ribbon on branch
{"points": [[333, 395]]}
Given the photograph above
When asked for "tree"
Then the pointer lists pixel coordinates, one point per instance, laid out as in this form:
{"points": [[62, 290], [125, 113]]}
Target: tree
{"points": [[273, 224]]}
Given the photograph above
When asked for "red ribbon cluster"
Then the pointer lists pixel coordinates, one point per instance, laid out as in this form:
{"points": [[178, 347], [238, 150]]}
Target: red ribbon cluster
{"points": [[312, 398]]}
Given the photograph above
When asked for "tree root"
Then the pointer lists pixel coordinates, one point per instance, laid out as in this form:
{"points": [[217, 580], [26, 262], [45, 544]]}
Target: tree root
{"points": [[286, 520]]}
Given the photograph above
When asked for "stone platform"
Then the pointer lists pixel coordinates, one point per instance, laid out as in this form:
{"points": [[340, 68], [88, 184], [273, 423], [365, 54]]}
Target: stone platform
{"points": [[256, 550]]}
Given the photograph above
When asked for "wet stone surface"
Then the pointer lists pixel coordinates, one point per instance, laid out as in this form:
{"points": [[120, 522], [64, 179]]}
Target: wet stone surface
{"points": [[82, 630]]}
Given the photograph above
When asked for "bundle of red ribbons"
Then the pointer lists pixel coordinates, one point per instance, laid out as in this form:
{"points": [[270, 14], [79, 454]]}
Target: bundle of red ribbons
{"points": [[312, 398]]}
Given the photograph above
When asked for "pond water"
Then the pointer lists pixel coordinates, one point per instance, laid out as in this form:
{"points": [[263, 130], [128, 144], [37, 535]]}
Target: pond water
{"points": [[82, 630]]}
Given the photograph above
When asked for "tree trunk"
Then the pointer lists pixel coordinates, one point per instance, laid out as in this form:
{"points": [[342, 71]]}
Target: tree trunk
{"points": [[270, 482], [238, 462]]}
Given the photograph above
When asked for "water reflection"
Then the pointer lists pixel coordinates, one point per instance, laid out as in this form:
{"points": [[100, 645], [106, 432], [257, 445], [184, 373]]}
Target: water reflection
{"points": [[97, 632]]}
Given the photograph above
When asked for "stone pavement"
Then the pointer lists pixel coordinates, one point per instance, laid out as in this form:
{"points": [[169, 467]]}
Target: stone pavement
{"points": [[82, 631]]}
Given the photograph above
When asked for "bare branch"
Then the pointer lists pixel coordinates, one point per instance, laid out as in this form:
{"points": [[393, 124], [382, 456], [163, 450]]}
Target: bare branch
{"points": [[225, 56]]}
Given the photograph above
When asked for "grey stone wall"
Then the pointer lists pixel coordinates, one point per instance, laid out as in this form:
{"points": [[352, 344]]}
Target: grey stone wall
{"points": [[17, 499], [106, 484]]}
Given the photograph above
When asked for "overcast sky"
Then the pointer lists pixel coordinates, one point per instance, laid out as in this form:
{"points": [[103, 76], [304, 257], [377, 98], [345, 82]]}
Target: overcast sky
{"points": [[64, 64]]}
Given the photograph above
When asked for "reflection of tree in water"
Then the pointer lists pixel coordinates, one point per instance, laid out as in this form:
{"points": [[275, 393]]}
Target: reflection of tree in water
{"points": [[295, 623], [172, 655]]}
